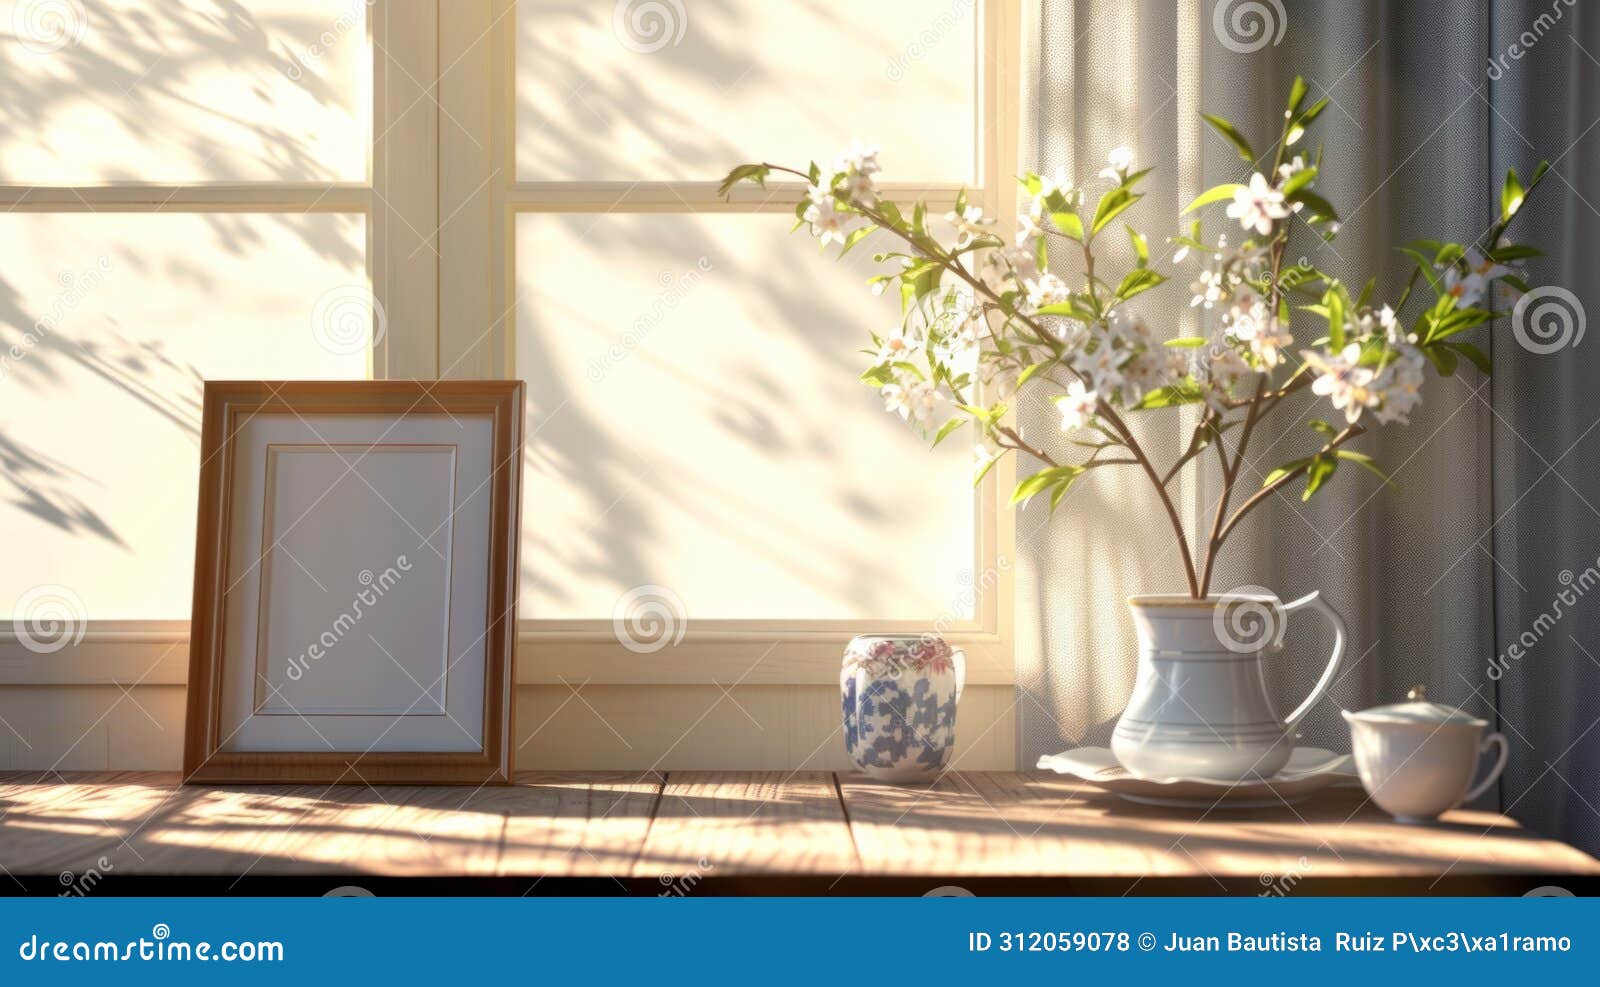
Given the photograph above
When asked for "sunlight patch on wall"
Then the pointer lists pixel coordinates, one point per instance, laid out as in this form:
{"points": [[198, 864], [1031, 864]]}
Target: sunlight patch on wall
{"points": [[183, 91], [695, 422], [671, 91], [108, 326]]}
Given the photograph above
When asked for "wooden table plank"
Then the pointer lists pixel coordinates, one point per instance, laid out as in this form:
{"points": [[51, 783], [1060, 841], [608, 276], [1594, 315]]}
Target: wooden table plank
{"points": [[724, 824], [563, 824], [77, 822], [720, 824], [1002, 824]]}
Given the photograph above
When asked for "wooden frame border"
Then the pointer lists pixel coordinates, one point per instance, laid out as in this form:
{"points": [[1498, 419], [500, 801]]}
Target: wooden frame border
{"points": [[203, 762]]}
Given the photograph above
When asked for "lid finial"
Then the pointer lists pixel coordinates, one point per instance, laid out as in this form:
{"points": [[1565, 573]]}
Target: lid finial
{"points": [[1417, 693]]}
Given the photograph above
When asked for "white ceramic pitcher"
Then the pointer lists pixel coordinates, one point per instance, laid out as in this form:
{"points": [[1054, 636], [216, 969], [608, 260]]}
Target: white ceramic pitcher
{"points": [[1200, 708]]}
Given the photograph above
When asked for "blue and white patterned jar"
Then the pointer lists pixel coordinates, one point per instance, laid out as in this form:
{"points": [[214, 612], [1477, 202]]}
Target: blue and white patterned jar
{"points": [[899, 695]]}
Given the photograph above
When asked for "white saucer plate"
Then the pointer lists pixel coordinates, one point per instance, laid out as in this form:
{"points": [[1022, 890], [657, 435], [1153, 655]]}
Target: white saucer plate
{"points": [[1310, 769]]}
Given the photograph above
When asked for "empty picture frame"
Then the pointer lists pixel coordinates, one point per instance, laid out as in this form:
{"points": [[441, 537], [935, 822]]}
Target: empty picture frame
{"points": [[355, 583]]}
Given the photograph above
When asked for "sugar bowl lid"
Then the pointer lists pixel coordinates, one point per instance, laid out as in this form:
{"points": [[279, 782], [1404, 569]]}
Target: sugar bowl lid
{"points": [[1417, 710]]}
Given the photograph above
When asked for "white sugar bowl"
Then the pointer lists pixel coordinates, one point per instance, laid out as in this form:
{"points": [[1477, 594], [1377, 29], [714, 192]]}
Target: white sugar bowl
{"points": [[1417, 759]]}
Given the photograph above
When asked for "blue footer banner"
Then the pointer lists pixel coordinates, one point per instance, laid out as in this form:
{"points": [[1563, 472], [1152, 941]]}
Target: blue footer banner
{"points": [[788, 940]]}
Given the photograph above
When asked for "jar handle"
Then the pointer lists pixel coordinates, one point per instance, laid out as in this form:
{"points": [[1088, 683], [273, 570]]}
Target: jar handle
{"points": [[959, 659], [1314, 601]]}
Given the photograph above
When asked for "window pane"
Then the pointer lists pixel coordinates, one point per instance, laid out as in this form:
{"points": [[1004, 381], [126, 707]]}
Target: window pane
{"points": [[662, 90], [110, 323], [695, 422], [183, 90]]}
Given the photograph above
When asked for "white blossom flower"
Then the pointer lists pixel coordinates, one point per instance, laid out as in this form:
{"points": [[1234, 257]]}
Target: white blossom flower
{"points": [[1147, 371], [970, 224], [1104, 365], [828, 224], [1257, 205], [1118, 163], [1248, 321], [1077, 406], [898, 346], [1047, 289], [1290, 169], [1210, 288], [983, 454], [860, 159], [1224, 367], [1400, 387], [1470, 288], [1343, 381], [917, 401]]}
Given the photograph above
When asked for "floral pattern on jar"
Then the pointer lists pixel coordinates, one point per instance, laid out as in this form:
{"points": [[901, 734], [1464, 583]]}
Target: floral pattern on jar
{"points": [[899, 697]]}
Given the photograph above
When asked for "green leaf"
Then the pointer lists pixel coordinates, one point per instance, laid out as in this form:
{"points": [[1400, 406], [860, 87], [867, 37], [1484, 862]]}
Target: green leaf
{"points": [[1366, 462], [1333, 305], [1027, 374], [856, 236], [1138, 281], [978, 478], [949, 426], [1043, 480], [1141, 246], [1321, 209], [1318, 472], [1111, 205], [1443, 359], [1231, 133], [1477, 357], [1297, 127], [744, 173], [1513, 251], [1511, 196], [1186, 342], [1300, 180], [1284, 470], [878, 376], [1297, 94], [1069, 223], [1186, 391], [1323, 427], [1215, 193]]}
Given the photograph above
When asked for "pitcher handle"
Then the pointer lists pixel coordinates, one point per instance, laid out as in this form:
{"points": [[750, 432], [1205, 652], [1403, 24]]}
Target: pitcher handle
{"points": [[1315, 602], [1494, 739], [959, 659]]}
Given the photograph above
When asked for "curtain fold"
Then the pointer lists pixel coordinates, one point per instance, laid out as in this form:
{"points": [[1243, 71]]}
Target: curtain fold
{"points": [[1495, 490]]}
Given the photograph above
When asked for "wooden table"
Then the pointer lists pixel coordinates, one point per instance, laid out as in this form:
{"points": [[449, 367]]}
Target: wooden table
{"points": [[681, 831]]}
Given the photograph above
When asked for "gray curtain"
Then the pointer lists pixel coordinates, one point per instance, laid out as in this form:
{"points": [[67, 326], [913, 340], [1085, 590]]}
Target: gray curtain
{"points": [[1494, 510]]}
